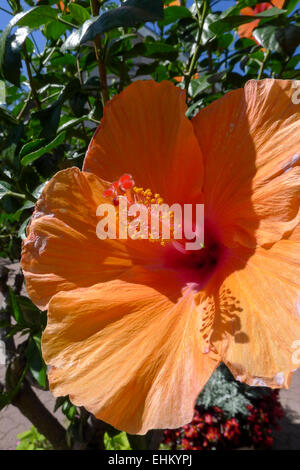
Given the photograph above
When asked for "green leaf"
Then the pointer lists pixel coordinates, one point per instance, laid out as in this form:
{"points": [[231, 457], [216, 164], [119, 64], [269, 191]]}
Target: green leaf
{"points": [[267, 38], [33, 440], [291, 5], [7, 117], [5, 188], [4, 400], [225, 40], [289, 38], [68, 409], [17, 313], [174, 13], [10, 45], [75, 38], [160, 50], [11, 59], [32, 156], [278, 39], [79, 13], [59, 402], [201, 84], [130, 14], [50, 117], [77, 103], [270, 13], [36, 363], [30, 147], [55, 29], [32, 316], [153, 50], [22, 229], [37, 16], [207, 34], [4, 42], [71, 123], [118, 442], [25, 434]]}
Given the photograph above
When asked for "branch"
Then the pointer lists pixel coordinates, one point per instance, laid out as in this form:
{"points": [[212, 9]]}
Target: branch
{"points": [[34, 410], [98, 48], [5, 315], [30, 77], [25, 399]]}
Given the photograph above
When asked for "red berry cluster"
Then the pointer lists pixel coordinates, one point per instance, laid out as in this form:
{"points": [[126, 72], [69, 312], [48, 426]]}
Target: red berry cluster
{"points": [[211, 429]]}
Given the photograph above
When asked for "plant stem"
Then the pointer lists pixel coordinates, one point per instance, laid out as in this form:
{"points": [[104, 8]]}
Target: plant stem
{"points": [[67, 23], [24, 107], [94, 120], [210, 66], [262, 65], [79, 72], [98, 49], [30, 77], [201, 19], [6, 11]]}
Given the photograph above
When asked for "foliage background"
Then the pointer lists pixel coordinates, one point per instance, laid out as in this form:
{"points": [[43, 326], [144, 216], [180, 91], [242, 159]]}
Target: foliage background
{"points": [[55, 77]]}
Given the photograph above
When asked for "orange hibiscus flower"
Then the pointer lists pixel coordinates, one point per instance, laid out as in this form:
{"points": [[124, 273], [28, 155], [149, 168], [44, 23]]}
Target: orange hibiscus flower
{"points": [[173, 4], [246, 30], [135, 329], [180, 79]]}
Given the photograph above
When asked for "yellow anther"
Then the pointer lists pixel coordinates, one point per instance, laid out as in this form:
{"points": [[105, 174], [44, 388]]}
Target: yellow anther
{"points": [[160, 200]]}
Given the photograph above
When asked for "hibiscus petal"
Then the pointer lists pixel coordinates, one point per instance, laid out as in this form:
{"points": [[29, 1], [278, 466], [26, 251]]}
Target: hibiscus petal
{"points": [[251, 156], [246, 30], [129, 351], [278, 3], [145, 132], [247, 11], [62, 251], [257, 320]]}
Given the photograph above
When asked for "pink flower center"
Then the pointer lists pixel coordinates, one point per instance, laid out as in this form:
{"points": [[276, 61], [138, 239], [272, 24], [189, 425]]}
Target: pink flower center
{"points": [[193, 265], [197, 266]]}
